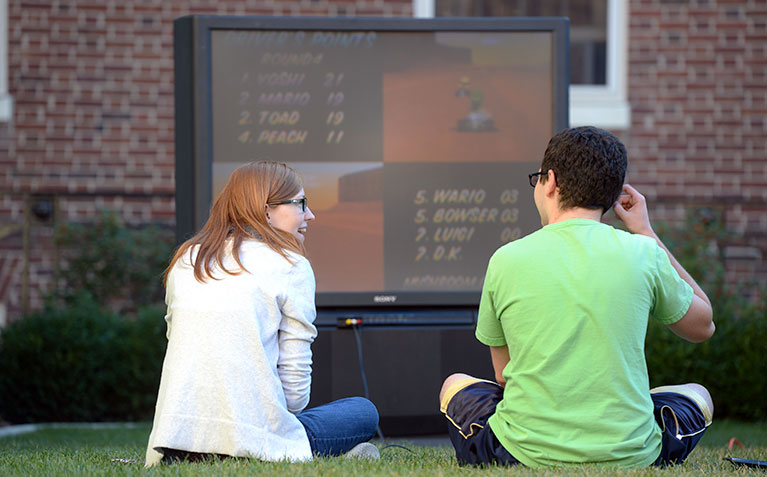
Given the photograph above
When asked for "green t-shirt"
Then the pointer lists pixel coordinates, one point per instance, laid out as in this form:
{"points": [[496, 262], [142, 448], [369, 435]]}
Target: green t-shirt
{"points": [[571, 301]]}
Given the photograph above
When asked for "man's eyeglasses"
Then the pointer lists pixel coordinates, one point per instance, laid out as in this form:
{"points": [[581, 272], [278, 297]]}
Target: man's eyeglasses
{"points": [[534, 177], [302, 201]]}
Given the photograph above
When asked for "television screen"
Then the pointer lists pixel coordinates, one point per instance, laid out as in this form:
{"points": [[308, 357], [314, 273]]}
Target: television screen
{"points": [[414, 139]]}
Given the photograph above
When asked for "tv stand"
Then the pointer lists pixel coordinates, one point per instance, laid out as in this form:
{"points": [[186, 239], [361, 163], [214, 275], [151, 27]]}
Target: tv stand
{"points": [[407, 354]]}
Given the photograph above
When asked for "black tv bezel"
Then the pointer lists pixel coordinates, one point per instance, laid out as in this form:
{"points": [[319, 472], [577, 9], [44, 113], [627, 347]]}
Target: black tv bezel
{"points": [[194, 125]]}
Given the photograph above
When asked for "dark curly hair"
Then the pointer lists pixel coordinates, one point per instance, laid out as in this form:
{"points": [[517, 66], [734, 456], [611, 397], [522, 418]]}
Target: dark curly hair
{"points": [[590, 166]]}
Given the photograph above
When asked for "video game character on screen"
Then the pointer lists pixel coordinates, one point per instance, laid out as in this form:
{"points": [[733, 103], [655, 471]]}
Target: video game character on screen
{"points": [[478, 119]]}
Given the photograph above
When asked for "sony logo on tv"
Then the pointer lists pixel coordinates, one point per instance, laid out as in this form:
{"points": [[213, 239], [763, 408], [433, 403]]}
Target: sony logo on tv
{"points": [[384, 298]]}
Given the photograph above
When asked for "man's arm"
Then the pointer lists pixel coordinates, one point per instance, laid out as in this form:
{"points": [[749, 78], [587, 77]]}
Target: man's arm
{"points": [[500, 357], [697, 324]]}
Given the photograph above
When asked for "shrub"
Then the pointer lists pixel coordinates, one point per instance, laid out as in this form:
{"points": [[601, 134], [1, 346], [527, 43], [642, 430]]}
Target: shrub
{"points": [[81, 363], [731, 363], [76, 361], [120, 266]]}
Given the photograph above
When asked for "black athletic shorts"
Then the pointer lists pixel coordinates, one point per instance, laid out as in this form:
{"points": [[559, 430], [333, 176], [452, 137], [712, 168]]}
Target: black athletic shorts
{"points": [[682, 415]]}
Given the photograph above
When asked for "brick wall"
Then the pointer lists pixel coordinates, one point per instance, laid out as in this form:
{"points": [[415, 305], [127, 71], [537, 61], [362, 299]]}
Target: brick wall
{"points": [[92, 82], [698, 93]]}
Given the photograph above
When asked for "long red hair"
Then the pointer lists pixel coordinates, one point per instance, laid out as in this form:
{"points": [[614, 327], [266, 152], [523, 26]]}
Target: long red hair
{"points": [[239, 213]]}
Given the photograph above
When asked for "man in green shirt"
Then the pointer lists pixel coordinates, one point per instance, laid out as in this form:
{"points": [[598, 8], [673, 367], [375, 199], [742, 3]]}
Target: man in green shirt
{"points": [[564, 311]]}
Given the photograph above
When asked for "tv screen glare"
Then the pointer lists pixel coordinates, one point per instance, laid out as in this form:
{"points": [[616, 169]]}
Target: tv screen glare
{"points": [[414, 138]]}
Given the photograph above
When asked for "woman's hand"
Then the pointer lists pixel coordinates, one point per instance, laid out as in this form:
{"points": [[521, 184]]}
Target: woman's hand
{"points": [[631, 209]]}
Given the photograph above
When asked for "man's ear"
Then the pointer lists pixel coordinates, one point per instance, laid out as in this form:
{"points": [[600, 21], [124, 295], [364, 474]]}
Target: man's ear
{"points": [[551, 183]]}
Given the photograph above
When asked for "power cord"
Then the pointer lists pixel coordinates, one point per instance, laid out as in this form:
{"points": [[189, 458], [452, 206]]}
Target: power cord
{"points": [[356, 327], [400, 446]]}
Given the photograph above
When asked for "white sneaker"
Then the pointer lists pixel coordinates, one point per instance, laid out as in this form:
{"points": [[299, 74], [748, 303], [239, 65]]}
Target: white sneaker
{"points": [[365, 450]]}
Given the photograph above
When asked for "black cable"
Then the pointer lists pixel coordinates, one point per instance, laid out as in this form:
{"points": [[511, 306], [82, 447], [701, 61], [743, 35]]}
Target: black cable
{"points": [[358, 337], [397, 445]]}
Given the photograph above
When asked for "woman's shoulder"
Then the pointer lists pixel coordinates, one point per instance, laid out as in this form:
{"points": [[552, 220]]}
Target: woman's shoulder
{"points": [[258, 251]]}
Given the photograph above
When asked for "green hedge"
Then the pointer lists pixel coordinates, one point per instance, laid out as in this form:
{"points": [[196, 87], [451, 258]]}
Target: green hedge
{"points": [[122, 267], [81, 364], [731, 364], [75, 361]]}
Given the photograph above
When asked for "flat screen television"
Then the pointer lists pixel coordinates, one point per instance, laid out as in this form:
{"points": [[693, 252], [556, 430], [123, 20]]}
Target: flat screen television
{"points": [[414, 138]]}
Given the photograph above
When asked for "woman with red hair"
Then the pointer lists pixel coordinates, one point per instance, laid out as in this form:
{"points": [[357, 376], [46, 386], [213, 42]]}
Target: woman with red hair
{"points": [[237, 372]]}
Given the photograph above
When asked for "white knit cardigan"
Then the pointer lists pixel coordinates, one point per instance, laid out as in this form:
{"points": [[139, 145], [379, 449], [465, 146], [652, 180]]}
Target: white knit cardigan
{"points": [[238, 363]]}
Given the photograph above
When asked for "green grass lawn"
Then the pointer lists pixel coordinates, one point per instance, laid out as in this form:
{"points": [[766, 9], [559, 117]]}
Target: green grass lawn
{"points": [[83, 451]]}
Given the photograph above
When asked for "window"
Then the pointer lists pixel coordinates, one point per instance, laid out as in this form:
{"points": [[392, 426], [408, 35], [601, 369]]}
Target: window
{"points": [[598, 49]]}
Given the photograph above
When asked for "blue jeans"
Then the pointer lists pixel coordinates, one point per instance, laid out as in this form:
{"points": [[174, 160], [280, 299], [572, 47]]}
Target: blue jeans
{"points": [[334, 428]]}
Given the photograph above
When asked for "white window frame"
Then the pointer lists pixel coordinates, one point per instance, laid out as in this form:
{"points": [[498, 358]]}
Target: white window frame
{"points": [[603, 106], [6, 102]]}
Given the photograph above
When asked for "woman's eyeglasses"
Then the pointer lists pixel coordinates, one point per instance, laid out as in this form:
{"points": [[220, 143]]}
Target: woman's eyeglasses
{"points": [[302, 201]]}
